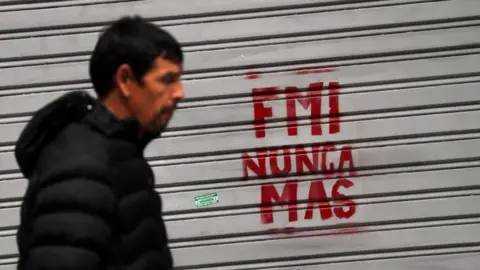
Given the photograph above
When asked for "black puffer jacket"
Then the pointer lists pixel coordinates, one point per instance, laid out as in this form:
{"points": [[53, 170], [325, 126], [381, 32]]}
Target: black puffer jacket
{"points": [[90, 202]]}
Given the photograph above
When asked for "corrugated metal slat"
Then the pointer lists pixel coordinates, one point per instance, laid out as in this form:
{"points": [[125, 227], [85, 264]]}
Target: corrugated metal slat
{"points": [[278, 26]]}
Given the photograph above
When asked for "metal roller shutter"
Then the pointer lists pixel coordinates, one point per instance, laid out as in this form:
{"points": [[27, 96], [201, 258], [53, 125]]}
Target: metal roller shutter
{"points": [[316, 134]]}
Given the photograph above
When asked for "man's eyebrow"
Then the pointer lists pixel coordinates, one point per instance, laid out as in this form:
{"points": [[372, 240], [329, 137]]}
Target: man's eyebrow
{"points": [[171, 73]]}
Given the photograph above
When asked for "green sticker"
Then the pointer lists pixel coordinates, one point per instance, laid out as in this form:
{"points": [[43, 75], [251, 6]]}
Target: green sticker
{"points": [[206, 200]]}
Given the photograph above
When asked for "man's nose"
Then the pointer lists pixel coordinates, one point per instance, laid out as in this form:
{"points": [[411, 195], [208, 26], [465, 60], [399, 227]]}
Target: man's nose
{"points": [[179, 93]]}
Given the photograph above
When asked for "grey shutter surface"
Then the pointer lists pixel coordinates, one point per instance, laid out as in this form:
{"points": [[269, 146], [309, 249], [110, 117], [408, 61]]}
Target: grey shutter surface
{"points": [[398, 167]]}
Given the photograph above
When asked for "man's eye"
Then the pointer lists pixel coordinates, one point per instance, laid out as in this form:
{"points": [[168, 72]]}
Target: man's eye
{"points": [[169, 79]]}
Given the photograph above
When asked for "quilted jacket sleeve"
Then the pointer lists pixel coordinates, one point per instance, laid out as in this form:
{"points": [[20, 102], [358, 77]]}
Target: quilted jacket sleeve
{"points": [[67, 219]]}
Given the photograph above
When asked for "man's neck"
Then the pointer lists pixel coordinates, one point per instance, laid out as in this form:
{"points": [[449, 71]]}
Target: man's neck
{"points": [[114, 103]]}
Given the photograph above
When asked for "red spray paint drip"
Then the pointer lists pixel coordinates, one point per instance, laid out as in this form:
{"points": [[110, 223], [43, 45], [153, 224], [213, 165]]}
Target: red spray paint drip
{"points": [[252, 75]]}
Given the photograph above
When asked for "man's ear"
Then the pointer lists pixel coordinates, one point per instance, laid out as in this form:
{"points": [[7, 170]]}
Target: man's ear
{"points": [[123, 79]]}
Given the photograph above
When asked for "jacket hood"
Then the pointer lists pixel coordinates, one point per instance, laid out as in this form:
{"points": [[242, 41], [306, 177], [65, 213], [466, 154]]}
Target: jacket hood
{"points": [[45, 125]]}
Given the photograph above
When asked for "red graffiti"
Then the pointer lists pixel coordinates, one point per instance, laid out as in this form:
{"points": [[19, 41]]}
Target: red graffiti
{"points": [[293, 231], [318, 198], [260, 112], [322, 158], [270, 194], [326, 160], [312, 100], [333, 91], [252, 75]]}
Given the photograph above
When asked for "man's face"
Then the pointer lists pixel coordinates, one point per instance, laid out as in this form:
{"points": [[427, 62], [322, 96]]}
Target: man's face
{"points": [[153, 102]]}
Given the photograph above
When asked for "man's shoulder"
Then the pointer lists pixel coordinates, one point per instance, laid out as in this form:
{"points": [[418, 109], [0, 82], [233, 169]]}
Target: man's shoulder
{"points": [[77, 149], [79, 138]]}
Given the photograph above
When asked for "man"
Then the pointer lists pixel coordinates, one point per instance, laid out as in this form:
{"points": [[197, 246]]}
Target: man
{"points": [[90, 202]]}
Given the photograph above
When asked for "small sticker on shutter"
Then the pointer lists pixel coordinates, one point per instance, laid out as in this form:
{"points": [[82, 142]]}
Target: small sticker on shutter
{"points": [[205, 200]]}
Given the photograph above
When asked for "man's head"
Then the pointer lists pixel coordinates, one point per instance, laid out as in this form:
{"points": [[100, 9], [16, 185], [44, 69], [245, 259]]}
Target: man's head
{"points": [[135, 69]]}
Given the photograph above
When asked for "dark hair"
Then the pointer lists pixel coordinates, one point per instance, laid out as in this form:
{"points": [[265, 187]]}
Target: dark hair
{"points": [[133, 41]]}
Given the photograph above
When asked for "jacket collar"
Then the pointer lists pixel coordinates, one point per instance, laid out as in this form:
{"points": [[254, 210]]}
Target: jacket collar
{"points": [[107, 123]]}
